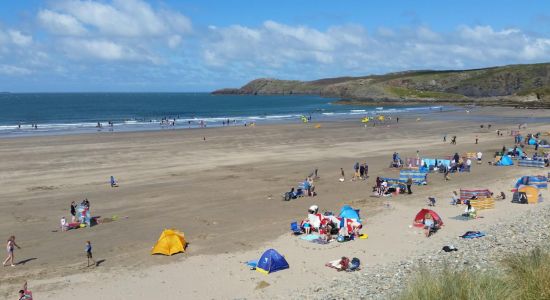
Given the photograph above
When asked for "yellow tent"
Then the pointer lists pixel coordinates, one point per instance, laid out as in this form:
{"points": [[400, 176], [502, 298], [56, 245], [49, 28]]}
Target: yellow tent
{"points": [[531, 192], [365, 120], [381, 118], [170, 242]]}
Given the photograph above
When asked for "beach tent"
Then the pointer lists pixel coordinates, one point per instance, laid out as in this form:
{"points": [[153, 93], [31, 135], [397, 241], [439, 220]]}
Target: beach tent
{"points": [[467, 194], [418, 177], [518, 150], [349, 213], [271, 261], [506, 160], [419, 219], [541, 182], [170, 242], [365, 120], [532, 193], [531, 163]]}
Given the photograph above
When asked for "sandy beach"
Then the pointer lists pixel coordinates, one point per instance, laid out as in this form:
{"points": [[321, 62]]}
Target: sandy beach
{"points": [[225, 192]]}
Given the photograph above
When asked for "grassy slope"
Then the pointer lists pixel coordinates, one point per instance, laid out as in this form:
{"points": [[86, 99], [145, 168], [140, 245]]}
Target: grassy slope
{"points": [[524, 276], [508, 81]]}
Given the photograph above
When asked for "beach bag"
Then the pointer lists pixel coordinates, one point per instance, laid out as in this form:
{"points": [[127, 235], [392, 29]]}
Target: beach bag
{"points": [[354, 265]]}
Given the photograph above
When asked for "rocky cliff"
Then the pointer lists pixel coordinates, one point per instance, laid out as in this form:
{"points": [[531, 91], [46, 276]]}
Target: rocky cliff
{"points": [[514, 85]]}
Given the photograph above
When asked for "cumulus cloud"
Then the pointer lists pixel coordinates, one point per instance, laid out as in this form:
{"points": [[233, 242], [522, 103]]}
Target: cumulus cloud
{"points": [[11, 70], [351, 49], [59, 23], [118, 30], [19, 39]]}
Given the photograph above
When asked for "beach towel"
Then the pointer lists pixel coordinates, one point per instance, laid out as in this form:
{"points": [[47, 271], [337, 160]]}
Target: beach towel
{"points": [[309, 237], [473, 235]]}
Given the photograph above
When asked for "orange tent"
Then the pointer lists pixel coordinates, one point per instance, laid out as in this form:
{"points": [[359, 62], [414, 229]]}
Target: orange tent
{"points": [[170, 242]]}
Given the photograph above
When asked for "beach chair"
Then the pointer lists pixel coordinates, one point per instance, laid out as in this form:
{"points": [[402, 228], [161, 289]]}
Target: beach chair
{"points": [[295, 228]]}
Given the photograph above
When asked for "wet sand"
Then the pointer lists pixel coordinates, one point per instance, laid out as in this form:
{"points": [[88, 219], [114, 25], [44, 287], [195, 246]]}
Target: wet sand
{"points": [[224, 193]]}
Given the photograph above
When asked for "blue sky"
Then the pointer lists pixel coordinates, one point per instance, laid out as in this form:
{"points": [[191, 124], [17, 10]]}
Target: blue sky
{"points": [[137, 45]]}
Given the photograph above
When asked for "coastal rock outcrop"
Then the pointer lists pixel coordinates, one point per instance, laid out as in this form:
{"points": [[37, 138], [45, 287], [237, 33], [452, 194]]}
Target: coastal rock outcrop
{"points": [[514, 85]]}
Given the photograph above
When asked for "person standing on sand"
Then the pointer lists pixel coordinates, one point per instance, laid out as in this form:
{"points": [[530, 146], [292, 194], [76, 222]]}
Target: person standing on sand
{"points": [[73, 212], [10, 248], [445, 138], [477, 138], [89, 255], [409, 184], [342, 174]]}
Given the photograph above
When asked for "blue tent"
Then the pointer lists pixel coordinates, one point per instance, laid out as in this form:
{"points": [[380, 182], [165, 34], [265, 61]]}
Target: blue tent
{"points": [[506, 160], [518, 150], [349, 213], [271, 261], [532, 141]]}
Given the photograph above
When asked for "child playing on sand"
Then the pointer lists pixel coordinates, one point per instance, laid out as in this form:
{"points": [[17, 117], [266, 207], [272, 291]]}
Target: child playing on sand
{"points": [[63, 223], [25, 294], [88, 249], [10, 248]]}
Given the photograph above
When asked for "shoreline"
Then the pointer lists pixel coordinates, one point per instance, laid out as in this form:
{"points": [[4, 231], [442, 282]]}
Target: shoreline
{"points": [[224, 193]]}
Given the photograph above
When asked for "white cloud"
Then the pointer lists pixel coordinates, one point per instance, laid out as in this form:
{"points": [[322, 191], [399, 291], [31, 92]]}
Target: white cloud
{"points": [[117, 30], [125, 18], [19, 38], [59, 23], [13, 70], [349, 49], [104, 50]]}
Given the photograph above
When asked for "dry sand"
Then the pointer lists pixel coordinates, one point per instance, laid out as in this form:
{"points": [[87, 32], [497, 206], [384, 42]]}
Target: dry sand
{"points": [[225, 194]]}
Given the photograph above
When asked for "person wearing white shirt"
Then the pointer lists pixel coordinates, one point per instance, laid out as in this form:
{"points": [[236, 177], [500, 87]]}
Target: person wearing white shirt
{"points": [[479, 155]]}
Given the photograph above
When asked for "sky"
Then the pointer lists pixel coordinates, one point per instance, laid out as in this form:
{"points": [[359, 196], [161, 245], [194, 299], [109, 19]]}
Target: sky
{"points": [[202, 45]]}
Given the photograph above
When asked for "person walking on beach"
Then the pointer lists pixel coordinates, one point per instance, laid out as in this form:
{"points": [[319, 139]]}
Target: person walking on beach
{"points": [[409, 184], [342, 174], [10, 248], [453, 140], [89, 255], [477, 139], [397, 119], [444, 138]]}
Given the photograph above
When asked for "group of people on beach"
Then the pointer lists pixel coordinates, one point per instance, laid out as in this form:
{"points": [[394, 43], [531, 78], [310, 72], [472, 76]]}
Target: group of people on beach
{"points": [[328, 225]]}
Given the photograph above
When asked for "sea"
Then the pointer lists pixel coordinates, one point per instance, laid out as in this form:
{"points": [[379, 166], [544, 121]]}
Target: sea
{"points": [[66, 113]]}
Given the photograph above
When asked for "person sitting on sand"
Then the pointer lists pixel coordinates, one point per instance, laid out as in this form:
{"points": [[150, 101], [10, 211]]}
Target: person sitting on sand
{"points": [[431, 201], [25, 294], [455, 199], [340, 265], [470, 211], [502, 196], [383, 188], [306, 226], [429, 224]]}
